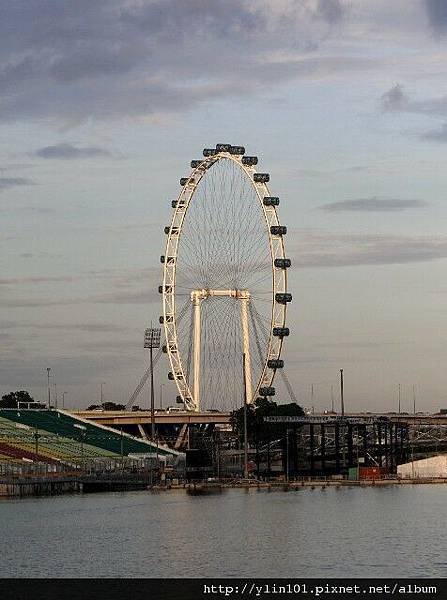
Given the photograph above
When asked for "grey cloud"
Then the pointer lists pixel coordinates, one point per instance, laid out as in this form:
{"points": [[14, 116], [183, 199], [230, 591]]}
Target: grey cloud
{"points": [[327, 249], [332, 11], [34, 280], [437, 15], [436, 135], [87, 327], [9, 182], [14, 371], [394, 99], [35, 303], [173, 18], [125, 297], [68, 151], [373, 204], [110, 59]]}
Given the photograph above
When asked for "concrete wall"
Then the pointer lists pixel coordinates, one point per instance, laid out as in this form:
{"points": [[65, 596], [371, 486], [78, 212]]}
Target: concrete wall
{"points": [[435, 466]]}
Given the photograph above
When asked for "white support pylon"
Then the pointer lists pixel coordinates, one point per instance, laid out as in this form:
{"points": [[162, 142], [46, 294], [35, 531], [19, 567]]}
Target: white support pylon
{"points": [[196, 297], [246, 347]]}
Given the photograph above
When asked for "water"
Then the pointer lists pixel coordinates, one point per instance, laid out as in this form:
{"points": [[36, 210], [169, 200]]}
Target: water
{"points": [[350, 532]]}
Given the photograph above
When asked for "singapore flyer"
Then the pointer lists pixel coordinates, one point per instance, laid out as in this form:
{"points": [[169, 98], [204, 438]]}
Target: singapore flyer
{"points": [[224, 283]]}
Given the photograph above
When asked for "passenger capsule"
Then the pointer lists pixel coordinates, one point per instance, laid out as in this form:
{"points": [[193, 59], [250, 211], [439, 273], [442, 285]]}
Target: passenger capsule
{"points": [[267, 391], [275, 363], [223, 147], [283, 298], [283, 263], [161, 319], [166, 288], [164, 349], [249, 161], [278, 230], [167, 229], [162, 259], [209, 152], [179, 400], [281, 332], [195, 164], [239, 150], [261, 177], [271, 201], [171, 376], [184, 180], [178, 203]]}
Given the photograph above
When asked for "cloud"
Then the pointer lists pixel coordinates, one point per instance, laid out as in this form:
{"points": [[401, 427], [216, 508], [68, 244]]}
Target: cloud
{"points": [[394, 99], [436, 135], [144, 296], [327, 249], [9, 182], [332, 11], [437, 15], [68, 151], [110, 59], [373, 204], [34, 280], [87, 327]]}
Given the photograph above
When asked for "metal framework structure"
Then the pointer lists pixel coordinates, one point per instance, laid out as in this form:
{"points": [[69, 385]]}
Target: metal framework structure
{"points": [[224, 258]]}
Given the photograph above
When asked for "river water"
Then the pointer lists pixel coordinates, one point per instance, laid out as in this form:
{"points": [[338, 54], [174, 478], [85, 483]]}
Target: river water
{"points": [[348, 532]]}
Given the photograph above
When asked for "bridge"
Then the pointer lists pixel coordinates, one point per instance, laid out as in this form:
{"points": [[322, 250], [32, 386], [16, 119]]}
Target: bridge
{"points": [[143, 417], [180, 417]]}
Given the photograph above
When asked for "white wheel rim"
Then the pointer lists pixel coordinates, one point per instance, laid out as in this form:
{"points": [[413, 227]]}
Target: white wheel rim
{"points": [[170, 308]]}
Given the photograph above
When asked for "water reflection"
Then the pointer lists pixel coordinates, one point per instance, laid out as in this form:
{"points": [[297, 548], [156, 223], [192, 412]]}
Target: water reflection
{"points": [[384, 532]]}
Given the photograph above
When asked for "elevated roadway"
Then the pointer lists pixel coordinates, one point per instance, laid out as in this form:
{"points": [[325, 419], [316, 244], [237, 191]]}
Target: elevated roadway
{"points": [[143, 417]]}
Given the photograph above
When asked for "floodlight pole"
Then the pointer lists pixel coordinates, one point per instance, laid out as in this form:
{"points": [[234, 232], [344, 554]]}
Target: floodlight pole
{"points": [[152, 396], [151, 341], [342, 398]]}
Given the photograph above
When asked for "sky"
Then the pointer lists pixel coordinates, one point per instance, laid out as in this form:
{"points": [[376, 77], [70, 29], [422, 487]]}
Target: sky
{"points": [[103, 105]]}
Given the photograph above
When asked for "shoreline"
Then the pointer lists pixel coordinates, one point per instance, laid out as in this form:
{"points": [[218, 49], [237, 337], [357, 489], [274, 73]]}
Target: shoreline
{"points": [[49, 487]]}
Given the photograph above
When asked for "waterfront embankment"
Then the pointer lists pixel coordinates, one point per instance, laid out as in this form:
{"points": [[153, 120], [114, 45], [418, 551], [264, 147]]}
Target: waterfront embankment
{"points": [[52, 486]]}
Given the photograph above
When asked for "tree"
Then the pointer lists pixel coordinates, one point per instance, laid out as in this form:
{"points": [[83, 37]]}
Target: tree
{"points": [[11, 400], [106, 406], [256, 426]]}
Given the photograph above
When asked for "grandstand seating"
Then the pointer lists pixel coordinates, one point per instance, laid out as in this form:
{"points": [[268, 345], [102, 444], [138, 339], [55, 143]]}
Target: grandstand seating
{"points": [[62, 437]]}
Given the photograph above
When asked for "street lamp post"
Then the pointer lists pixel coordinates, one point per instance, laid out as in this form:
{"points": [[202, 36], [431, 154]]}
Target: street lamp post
{"points": [[102, 393], [151, 341], [63, 399], [49, 389]]}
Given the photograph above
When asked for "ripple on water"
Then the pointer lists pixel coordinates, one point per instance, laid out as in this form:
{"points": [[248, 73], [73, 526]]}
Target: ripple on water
{"points": [[347, 532]]}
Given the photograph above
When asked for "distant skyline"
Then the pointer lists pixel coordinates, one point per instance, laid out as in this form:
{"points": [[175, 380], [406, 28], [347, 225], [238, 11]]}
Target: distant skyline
{"points": [[103, 105]]}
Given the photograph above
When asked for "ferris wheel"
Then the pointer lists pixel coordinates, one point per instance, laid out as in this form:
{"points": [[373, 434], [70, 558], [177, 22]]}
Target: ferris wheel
{"points": [[224, 283]]}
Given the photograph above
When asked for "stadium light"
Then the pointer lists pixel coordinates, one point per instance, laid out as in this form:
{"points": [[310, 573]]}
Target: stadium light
{"points": [[151, 341]]}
